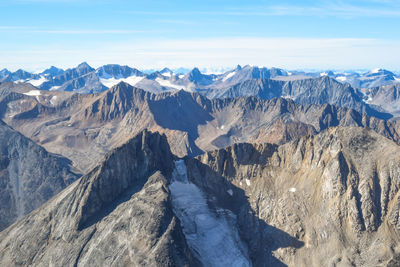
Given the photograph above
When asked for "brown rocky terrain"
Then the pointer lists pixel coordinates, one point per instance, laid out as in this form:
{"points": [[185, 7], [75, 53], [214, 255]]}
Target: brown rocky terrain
{"points": [[330, 199], [84, 128]]}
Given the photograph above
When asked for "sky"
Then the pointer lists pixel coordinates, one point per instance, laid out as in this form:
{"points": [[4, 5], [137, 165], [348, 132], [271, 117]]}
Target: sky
{"points": [[319, 34]]}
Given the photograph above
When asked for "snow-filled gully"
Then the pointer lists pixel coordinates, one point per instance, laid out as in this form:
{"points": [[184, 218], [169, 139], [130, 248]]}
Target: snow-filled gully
{"points": [[211, 235]]}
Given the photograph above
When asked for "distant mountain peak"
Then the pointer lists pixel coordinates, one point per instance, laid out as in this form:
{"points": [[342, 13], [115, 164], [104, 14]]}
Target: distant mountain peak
{"points": [[164, 70], [84, 65], [52, 71]]}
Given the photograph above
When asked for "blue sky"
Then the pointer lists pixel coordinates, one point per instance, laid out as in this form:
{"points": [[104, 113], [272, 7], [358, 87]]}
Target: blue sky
{"points": [[152, 34]]}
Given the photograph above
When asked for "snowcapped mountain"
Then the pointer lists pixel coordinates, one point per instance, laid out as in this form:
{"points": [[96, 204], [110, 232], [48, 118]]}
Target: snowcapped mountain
{"points": [[85, 79]]}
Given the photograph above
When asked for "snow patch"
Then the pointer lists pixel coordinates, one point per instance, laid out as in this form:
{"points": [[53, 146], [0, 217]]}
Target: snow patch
{"points": [[54, 88], [33, 93], [229, 75], [248, 182], [368, 100], [37, 82], [341, 78], [292, 189], [53, 100], [167, 83], [211, 235], [323, 74], [288, 97], [230, 192], [222, 127], [166, 74], [110, 82], [377, 70]]}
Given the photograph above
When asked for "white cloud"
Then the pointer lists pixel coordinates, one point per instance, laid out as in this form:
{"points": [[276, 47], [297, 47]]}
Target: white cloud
{"points": [[382, 8], [279, 52]]}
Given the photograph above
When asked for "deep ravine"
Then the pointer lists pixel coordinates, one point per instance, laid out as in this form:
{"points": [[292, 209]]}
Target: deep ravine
{"points": [[211, 235]]}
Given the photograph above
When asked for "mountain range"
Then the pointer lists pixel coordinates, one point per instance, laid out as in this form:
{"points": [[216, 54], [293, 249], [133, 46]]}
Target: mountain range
{"points": [[84, 127], [252, 167], [357, 91], [326, 199], [85, 79]]}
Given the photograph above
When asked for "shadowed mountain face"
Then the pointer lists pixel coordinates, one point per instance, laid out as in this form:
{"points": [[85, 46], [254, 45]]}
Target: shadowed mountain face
{"points": [[120, 213], [326, 199], [29, 175], [85, 127]]}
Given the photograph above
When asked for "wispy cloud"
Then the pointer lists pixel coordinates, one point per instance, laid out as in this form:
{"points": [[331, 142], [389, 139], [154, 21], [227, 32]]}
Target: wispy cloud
{"points": [[385, 8], [279, 52]]}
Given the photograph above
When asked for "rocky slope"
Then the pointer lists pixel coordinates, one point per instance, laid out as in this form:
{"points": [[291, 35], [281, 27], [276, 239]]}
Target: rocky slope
{"points": [[29, 175], [85, 127], [306, 91], [386, 97], [330, 199], [326, 200], [119, 214]]}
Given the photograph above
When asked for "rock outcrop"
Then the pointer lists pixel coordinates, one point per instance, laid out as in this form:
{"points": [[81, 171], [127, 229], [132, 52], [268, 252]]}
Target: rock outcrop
{"points": [[29, 175], [119, 214], [84, 128], [326, 200]]}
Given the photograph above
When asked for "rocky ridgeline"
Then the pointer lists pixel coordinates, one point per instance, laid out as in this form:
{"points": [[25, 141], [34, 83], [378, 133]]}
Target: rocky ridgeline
{"points": [[120, 213], [326, 199]]}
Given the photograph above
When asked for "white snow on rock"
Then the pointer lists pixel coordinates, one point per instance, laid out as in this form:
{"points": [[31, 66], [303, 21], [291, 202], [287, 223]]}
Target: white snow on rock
{"points": [[230, 192], [341, 78], [229, 75], [33, 93], [212, 237], [166, 74], [377, 70], [292, 189], [54, 88], [37, 82], [248, 182], [167, 83], [110, 82], [53, 100]]}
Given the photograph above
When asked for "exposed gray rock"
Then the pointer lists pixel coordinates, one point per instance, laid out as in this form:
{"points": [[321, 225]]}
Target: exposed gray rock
{"points": [[119, 214], [29, 175], [85, 127], [307, 91], [326, 200]]}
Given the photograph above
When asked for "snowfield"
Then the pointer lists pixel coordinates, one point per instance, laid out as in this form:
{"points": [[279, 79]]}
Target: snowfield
{"points": [[110, 82], [33, 93]]}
